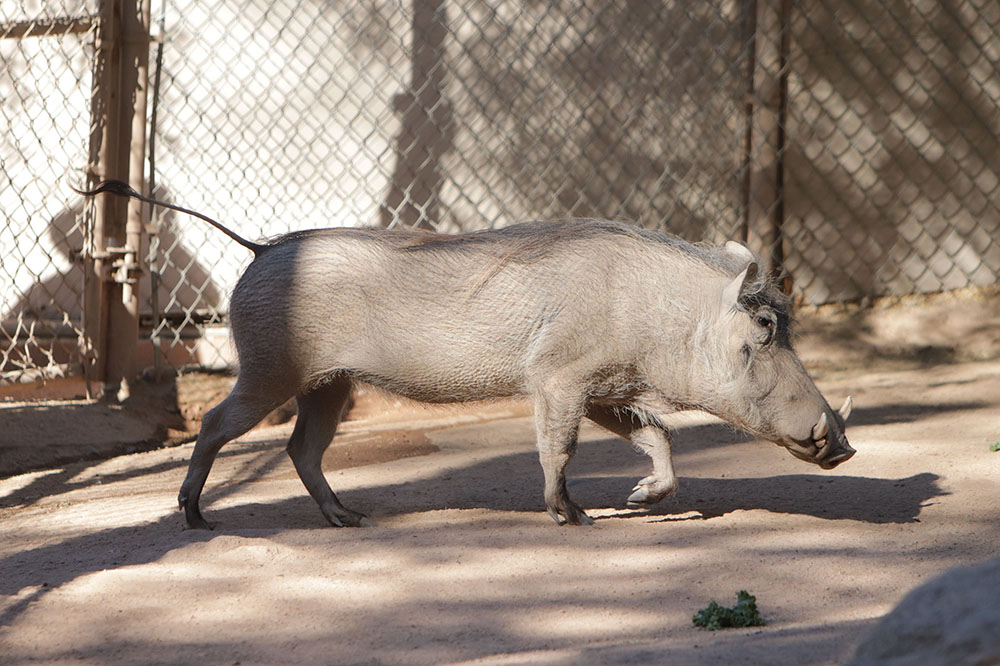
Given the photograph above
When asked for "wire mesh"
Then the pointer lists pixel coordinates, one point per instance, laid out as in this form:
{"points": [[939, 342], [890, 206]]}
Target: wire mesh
{"points": [[277, 115], [894, 161], [45, 80]]}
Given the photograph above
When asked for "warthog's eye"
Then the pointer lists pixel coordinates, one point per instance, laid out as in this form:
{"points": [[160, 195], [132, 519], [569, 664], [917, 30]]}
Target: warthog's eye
{"points": [[767, 323]]}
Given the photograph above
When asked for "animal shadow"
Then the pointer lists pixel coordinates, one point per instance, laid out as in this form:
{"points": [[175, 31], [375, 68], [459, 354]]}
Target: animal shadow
{"points": [[859, 498]]}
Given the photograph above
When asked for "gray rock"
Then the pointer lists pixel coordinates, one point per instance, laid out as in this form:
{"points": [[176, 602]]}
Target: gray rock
{"points": [[953, 620]]}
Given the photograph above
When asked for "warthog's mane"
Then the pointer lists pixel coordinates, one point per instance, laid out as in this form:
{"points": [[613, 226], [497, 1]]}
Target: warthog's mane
{"points": [[532, 241], [528, 242]]}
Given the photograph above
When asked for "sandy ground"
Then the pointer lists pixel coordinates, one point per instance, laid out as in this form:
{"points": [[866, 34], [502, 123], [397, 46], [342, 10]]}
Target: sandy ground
{"points": [[466, 567]]}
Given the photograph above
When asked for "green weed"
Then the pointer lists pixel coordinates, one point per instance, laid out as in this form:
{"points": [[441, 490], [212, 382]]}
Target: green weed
{"points": [[743, 614]]}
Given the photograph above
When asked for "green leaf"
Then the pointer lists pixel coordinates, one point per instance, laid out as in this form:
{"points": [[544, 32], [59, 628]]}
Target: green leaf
{"points": [[743, 614]]}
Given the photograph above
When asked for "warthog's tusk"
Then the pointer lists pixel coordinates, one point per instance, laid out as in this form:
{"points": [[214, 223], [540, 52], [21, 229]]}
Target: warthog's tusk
{"points": [[819, 430], [845, 411]]}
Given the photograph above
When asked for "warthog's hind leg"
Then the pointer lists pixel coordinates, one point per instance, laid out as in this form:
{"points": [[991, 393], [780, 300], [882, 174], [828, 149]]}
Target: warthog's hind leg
{"points": [[320, 412], [241, 410], [649, 435]]}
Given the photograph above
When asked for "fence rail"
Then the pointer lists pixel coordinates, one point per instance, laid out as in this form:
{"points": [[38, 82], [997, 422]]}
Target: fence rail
{"points": [[854, 145]]}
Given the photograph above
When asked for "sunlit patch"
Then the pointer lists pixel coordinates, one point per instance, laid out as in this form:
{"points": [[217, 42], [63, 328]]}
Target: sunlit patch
{"points": [[10, 486], [687, 515], [618, 514], [580, 622], [105, 513], [612, 512], [94, 472]]}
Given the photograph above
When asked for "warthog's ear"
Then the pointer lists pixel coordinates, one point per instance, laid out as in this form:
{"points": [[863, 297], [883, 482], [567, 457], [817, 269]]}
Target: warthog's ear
{"points": [[731, 294], [740, 251]]}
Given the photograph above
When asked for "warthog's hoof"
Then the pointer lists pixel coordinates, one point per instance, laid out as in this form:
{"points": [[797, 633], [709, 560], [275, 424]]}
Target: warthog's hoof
{"points": [[192, 514], [347, 518], [650, 491], [565, 512], [579, 518]]}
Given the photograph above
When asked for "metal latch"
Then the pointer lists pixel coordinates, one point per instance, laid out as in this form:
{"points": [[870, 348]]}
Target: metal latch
{"points": [[124, 267]]}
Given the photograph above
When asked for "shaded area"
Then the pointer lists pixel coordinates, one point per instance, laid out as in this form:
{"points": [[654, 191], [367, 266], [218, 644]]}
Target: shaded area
{"points": [[864, 499], [628, 111], [84, 431], [907, 412], [41, 435], [426, 130], [513, 483], [912, 332]]}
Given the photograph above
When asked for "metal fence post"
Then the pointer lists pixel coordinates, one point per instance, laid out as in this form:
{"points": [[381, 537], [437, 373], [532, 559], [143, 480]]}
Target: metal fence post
{"points": [[118, 136], [765, 196]]}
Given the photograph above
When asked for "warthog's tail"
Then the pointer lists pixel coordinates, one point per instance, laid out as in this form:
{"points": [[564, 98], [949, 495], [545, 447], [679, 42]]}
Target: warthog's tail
{"points": [[123, 190]]}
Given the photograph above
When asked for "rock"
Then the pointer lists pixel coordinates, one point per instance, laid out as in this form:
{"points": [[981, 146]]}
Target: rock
{"points": [[954, 619]]}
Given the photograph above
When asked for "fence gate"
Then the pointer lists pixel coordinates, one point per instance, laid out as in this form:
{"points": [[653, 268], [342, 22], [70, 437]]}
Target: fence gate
{"points": [[73, 86]]}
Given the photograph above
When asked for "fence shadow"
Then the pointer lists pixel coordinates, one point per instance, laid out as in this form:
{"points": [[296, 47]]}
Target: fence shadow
{"points": [[184, 284]]}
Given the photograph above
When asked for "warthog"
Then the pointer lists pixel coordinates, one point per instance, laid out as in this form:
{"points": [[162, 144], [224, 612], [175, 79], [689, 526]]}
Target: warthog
{"points": [[588, 318]]}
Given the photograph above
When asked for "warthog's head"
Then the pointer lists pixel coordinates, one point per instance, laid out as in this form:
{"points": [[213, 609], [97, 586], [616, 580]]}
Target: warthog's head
{"points": [[768, 392]]}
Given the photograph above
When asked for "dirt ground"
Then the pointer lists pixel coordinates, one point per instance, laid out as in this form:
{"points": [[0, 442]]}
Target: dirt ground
{"points": [[465, 566]]}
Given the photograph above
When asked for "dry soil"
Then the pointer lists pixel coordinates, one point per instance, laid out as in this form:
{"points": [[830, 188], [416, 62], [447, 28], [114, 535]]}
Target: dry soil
{"points": [[465, 567]]}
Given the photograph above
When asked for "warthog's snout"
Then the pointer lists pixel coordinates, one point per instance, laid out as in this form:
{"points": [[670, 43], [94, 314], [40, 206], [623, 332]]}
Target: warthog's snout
{"points": [[826, 445], [822, 453]]}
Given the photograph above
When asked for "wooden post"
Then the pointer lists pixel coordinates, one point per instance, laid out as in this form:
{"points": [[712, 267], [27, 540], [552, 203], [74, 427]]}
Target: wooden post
{"points": [[766, 145], [117, 150]]}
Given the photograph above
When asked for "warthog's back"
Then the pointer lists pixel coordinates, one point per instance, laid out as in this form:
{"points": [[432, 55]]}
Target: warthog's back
{"points": [[445, 318]]}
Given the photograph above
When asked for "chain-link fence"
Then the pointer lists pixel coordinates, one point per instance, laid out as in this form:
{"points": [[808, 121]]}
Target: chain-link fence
{"points": [[854, 143], [46, 56], [893, 156], [447, 115]]}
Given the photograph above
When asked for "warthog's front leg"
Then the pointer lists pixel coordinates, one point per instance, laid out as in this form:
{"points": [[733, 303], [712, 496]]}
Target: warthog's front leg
{"points": [[647, 433], [557, 424]]}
